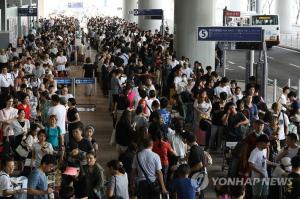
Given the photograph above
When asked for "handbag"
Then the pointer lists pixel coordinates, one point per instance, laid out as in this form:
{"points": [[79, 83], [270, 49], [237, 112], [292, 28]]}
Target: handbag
{"points": [[154, 187], [22, 150], [115, 191]]}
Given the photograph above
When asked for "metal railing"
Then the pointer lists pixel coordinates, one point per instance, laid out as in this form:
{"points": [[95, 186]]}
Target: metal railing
{"points": [[291, 40], [276, 88]]}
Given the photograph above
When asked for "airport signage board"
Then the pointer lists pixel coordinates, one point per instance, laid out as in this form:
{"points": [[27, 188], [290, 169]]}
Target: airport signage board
{"points": [[85, 81], [148, 12], [228, 13], [64, 81], [27, 12], [230, 34]]}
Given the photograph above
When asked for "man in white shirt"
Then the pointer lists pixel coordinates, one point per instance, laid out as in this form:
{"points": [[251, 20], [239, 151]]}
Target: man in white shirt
{"points": [[61, 61], [174, 62], [60, 112], [6, 81], [147, 162], [283, 99], [6, 186], [187, 70], [258, 161], [223, 87]]}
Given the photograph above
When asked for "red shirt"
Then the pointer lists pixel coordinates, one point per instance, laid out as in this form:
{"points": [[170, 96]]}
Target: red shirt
{"points": [[26, 110], [144, 103], [162, 148]]}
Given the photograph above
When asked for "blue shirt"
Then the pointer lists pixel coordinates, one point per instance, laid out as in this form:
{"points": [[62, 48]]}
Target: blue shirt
{"points": [[53, 134], [37, 180], [166, 115], [185, 188]]}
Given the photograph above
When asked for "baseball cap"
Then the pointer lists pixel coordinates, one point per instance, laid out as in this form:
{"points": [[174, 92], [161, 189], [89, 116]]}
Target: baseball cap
{"points": [[71, 171]]}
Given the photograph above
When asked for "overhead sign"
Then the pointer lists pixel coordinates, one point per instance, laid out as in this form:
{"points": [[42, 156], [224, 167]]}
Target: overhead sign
{"points": [[230, 34], [75, 5], [27, 12], [85, 81], [64, 81], [148, 12], [228, 13]]}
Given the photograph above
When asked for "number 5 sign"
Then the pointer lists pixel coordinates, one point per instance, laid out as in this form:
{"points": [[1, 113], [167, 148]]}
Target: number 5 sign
{"points": [[202, 34]]}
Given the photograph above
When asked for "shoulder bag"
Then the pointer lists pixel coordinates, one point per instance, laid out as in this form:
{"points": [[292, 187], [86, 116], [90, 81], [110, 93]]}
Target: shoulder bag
{"points": [[154, 187]]}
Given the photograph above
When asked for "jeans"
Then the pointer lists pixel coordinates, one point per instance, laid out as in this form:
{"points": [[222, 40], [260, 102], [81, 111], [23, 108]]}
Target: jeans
{"points": [[216, 136]]}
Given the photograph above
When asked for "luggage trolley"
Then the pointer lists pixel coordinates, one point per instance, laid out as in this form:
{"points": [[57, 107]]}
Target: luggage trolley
{"points": [[227, 149]]}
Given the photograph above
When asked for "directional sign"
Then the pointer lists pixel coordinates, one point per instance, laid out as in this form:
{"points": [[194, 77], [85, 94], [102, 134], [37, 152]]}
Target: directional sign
{"points": [[229, 13], [148, 12], [230, 34], [64, 81], [85, 81], [27, 12]]}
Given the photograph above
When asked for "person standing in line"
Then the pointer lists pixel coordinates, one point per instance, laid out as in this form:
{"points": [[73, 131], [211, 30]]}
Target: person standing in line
{"points": [[37, 180], [89, 70], [60, 111]]}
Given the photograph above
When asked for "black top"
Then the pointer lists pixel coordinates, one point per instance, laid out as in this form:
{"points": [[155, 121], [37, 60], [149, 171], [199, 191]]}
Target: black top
{"points": [[83, 145], [124, 133], [127, 160], [71, 114], [196, 155], [293, 186], [88, 70]]}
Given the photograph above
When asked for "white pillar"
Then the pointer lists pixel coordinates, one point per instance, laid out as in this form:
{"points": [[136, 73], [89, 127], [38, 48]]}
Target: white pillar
{"points": [[190, 14], [129, 6], [41, 8], [146, 24], [259, 6], [284, 10]]}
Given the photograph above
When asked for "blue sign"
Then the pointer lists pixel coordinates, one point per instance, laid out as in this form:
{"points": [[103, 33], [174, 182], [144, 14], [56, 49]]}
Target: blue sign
{"points": [[85, 81], [230, 34], [64, 81], [148, 12]]}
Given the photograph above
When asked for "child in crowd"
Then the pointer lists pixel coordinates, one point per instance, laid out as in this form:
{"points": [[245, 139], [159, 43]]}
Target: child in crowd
{"points": [[88, 134]]}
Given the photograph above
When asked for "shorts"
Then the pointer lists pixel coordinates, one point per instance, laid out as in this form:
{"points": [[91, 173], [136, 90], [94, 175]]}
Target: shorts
{"points": [[260, 189]]}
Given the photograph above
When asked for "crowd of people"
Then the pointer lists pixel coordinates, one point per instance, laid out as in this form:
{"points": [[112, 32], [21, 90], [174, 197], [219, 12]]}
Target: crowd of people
{"points": [[168, 116]]}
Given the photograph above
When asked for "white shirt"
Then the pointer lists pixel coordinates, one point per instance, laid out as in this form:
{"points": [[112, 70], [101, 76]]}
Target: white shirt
{"points": [[18, 129], [60, 112], [177, 143], [61, 60], [150, 162], [259, 159], [281, 123], [6, 80], [283, 100], [220, 89], [5, 183], [67, 96], [28, 68], [187, 71], [3, 58]]}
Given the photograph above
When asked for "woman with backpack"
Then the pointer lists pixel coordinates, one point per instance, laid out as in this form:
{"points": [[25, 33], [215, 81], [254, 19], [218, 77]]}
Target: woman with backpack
{"points": [[55, 137]]}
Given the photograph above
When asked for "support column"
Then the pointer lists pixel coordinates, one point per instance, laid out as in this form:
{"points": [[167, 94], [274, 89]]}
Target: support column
{"points": [[41, 8], [189, 15], [20, 28], [3, 4], [283, 9], [259, 7], [129, 6], [145, 24]]}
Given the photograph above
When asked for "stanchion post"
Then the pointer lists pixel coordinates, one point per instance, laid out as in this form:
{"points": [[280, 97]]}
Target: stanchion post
{"points": [[275, 90], [289, 82]]}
